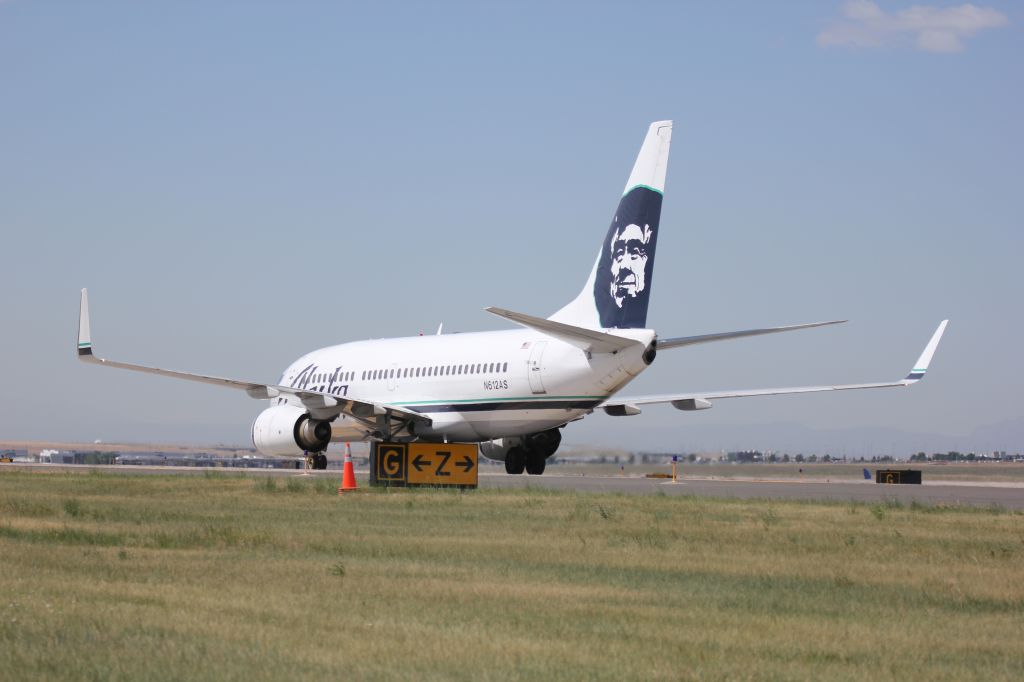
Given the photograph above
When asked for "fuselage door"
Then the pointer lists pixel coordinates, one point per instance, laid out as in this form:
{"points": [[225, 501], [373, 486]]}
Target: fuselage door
{"points": [[535, 367], [392, 377]]}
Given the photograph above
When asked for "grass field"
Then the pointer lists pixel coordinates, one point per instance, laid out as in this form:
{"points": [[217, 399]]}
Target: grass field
{"points": [[225, 577]]}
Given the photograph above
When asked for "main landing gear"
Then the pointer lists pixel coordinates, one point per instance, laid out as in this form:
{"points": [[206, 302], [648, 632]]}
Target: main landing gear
{"points": [[527, 453], [316, 461], [519, 459]]}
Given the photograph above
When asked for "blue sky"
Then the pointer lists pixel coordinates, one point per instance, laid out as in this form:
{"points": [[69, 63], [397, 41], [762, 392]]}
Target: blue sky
{"points": [[238, 183]]}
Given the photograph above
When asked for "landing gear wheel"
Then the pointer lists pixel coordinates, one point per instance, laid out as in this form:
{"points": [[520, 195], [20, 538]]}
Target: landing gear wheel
{"points": [[321, 461], [535, 463], [515, 461]]}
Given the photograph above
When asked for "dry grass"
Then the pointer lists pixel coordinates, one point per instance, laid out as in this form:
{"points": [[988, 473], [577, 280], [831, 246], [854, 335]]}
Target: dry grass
{"points": [[226, 577]]}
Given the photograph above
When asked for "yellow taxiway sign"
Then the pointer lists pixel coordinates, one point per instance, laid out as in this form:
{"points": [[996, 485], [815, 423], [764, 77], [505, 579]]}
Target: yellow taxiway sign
{"points": [[433, 464]]}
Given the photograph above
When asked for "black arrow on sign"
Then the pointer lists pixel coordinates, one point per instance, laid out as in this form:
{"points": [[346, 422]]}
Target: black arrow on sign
{"points": [[466, 463], [419, 462]]}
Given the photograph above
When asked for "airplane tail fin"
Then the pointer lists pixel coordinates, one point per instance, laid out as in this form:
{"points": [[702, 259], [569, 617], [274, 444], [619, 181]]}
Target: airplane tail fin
{"points": [[619, 287]]}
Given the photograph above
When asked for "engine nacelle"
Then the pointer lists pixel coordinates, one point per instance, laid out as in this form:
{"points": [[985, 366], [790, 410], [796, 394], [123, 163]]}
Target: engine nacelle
{"points": [[497, 449], [287, 430], [544, 443]]}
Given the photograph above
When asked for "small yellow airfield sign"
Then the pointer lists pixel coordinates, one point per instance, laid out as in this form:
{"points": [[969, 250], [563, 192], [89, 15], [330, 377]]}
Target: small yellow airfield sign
{"points": [[433, 464]]}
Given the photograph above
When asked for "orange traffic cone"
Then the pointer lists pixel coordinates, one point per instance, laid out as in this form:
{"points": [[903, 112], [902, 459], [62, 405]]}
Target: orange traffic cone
{"points": [[348, 475]]}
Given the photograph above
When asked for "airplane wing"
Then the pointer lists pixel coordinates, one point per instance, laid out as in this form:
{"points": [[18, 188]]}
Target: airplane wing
{"points": [[679, 341], [320, 405], [702, 400]]}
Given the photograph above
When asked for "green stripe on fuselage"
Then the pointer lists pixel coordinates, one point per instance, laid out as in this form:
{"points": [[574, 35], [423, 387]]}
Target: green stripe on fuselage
{"points": [[488, 399]]}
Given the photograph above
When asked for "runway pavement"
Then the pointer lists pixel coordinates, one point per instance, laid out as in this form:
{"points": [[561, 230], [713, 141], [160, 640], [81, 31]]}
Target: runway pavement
{"points": [[1005, 495]]}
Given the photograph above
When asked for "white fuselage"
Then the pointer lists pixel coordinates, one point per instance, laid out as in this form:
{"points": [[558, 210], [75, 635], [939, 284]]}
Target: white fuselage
{"points": [[474, 386]]}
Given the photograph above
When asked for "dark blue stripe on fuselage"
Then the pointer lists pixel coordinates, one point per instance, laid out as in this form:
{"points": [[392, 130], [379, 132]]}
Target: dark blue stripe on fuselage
{"points": [[510, 405]]}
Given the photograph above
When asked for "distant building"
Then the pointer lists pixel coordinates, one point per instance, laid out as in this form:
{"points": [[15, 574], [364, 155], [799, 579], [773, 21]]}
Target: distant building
{"points": [[745, 457]]}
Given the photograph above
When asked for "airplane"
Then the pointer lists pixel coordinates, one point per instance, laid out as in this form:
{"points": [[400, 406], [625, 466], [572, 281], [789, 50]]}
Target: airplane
{"points": [[510, 391]]}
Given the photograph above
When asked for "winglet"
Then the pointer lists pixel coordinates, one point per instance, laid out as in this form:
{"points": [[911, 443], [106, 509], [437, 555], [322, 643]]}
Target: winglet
{"points": [[84, 339], [921, 366]]}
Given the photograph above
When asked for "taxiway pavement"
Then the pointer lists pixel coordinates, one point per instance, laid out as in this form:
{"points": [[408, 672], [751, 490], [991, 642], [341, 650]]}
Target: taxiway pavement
{"points": [[1004, 495]]}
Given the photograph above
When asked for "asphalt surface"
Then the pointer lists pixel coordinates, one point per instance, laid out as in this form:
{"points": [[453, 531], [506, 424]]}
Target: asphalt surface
{"points": [[984, 495], [1005, 495]]}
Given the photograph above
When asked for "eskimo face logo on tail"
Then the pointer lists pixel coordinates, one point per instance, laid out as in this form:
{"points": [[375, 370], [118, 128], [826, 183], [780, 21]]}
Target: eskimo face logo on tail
{"points": [[629, 262], [622, 287]]}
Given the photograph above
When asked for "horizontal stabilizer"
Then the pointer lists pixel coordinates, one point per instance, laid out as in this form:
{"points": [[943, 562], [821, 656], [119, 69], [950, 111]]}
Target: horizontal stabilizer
{"points": [[587, 340], [680, 341]]}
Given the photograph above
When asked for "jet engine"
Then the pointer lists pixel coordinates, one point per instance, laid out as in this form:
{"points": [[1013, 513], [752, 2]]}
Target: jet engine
{"points": [[544, 444], [287, 430]]}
